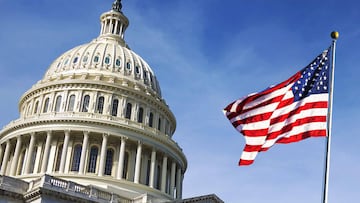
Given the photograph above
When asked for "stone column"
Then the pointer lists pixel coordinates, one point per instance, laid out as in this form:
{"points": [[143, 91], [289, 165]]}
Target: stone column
{"points": [[116, 26], [122, 31], [138, 163], [83, 152], [6, 158], [64, 151], [172, 179], [107, 105], [163, 174], [120, 168], [103, 155], [52, 156], [15, 160], [64, 101], [46, 152], [68, 156], [30, 153], [178, 183], [102, 28], [37, 159], [152, 168], [1, 153], [108, 25], [31, 109], [40, 109], [181, 185]]}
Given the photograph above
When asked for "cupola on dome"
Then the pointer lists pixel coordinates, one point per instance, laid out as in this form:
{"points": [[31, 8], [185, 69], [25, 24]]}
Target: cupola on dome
{"points": [[107, 57]]}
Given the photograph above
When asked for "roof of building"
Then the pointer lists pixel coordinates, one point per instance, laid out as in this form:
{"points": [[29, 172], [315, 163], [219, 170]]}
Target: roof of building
{"points": [[107, 56]]}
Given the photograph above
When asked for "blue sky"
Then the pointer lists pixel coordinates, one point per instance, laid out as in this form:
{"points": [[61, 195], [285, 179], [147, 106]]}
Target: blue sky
{"points": [[207, 53]]}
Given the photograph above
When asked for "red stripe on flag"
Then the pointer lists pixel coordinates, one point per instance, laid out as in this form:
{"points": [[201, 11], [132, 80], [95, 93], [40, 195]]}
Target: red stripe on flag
{"points": [[262, 104], [298, 122], [253, 97], [285, 102], [253, 119], [302, 136], [255, 133], [290, 111], [312, 105], [243, 162], [252, 148]]}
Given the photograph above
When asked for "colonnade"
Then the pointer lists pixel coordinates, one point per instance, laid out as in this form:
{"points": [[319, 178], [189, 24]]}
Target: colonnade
{"points": [[58, 152], [111, 25]]}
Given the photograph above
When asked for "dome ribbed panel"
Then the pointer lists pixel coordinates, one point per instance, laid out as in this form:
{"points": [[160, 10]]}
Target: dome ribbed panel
{"points": [[99, 57]]}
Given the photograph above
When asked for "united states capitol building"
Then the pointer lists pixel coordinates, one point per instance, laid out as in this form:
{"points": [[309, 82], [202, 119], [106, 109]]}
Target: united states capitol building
{"points": [[94, 128]]}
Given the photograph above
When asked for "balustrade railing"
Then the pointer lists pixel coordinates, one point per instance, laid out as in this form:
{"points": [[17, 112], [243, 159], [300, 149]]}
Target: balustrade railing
{"points": [[91, 192]]}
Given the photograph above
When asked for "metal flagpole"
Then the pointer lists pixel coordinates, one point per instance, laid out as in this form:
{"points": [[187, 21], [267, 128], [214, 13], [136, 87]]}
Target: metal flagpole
{"points": [[334, 36]]}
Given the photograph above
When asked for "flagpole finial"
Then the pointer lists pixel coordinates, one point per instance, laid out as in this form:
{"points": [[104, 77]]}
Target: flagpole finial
{"points": [[334, 35]]}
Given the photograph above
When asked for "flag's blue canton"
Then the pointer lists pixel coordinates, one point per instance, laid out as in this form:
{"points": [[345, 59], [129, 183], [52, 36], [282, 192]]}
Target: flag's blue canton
{"points": [[314, 78]]}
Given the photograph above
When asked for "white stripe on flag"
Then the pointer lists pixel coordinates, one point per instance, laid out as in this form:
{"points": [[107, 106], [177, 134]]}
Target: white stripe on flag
{"points": [[266, 97], [297, 130], [304, 114], [248, 155], [255, 140], [261, 110], [295, 105]]}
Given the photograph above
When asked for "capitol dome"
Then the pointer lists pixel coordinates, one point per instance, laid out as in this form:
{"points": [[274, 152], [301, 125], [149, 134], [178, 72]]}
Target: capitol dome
{"points": [[105, 57], [97, 119]]}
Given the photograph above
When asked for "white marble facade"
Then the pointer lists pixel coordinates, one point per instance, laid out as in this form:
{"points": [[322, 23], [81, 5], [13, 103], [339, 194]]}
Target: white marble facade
{"points": [[97, 117]]}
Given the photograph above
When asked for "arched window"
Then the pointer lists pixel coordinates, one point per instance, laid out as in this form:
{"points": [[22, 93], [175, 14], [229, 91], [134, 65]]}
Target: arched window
{"points": [[66, 61], [118, 62], [58, 65], [159, 124], [76, 158], [92, 159], [96, 59], [109, 161], [107, 60], [85, 105], [58, 103], [85, 59], [126, 163], [128, 110], [46, 105], [128, 66], [140, 115], [71, 103], [114, 107], [36, 107], [100, 104], [58, 157], [75, 60], [151, 119]]}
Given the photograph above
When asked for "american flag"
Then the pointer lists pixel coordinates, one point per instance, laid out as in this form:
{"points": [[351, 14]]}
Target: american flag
{"points": [[288, 112]]}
